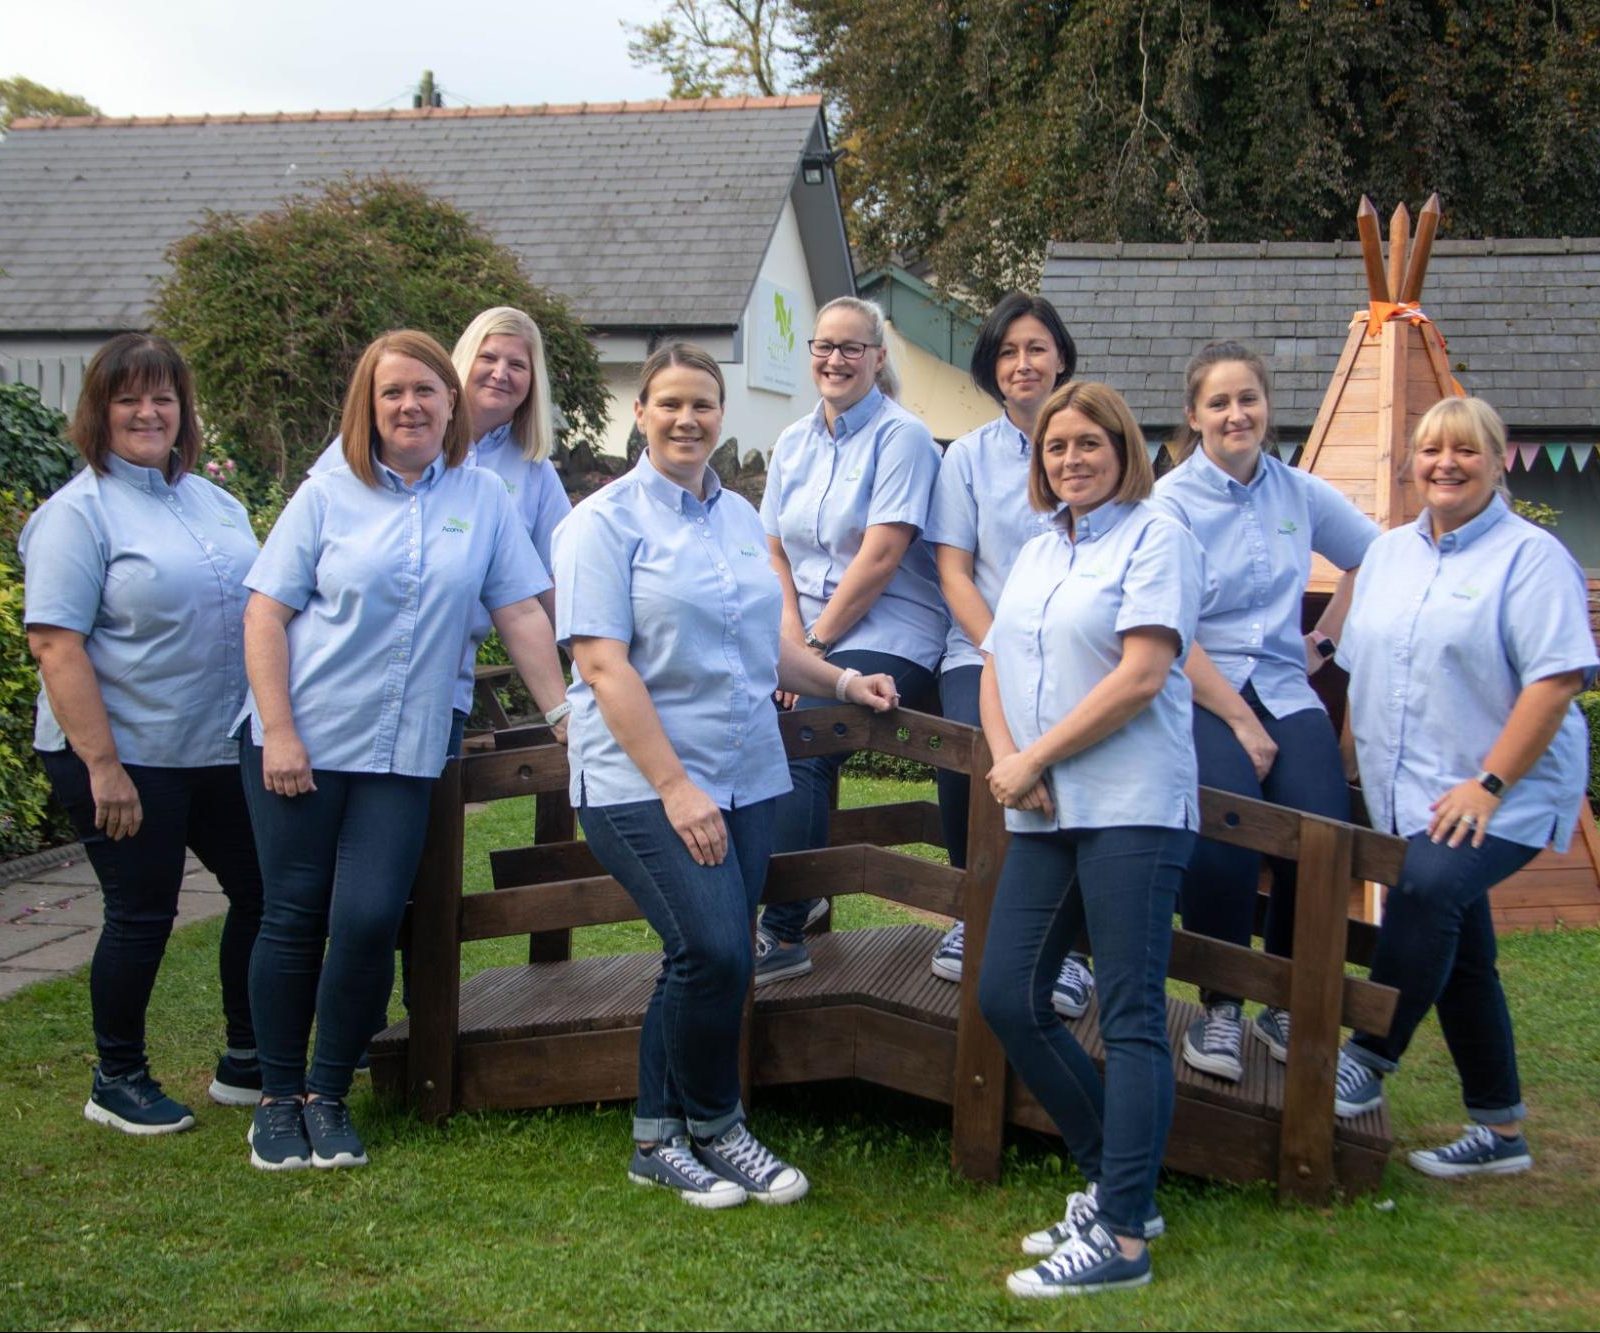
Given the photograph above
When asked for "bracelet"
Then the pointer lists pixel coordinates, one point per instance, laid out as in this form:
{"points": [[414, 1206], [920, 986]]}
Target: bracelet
{"points": [[841, 685], [557, 713]]}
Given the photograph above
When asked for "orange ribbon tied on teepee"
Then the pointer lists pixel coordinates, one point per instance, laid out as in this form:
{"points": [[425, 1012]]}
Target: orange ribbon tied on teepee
{"points": [[1381, 312]]}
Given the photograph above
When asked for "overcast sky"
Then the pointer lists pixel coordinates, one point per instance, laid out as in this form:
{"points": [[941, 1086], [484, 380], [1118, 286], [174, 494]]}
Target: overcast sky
{"points": [[186, 57]]}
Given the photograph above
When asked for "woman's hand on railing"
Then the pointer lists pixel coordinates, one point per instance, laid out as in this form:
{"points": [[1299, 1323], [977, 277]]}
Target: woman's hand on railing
{"points": [[878, 693]]}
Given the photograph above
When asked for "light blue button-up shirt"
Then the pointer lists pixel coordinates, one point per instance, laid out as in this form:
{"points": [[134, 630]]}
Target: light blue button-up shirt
{"points": [[688, 586], [1440, 641], [1258, 540], [152, 575], [387, 580], [536, 493], [826, 488], [980, 504], [1057, 634]]}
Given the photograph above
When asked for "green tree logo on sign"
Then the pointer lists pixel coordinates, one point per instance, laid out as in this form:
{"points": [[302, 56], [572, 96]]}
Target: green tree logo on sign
{"points": [[785, 317]]}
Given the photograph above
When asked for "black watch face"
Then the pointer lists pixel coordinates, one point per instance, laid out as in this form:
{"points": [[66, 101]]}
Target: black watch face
{"points": [[1327, 647]]}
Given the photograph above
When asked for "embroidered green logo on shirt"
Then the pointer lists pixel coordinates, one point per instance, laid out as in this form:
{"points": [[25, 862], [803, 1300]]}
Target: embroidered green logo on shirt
{"points": [[1287, 526], [453, 524], [1467, 592], [748, 550], [226, 521]]}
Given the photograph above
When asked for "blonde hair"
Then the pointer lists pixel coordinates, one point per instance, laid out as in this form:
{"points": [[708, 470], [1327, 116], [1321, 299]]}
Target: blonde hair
{"points": [[1104, 406], [533, 423], [359, 426], [888, 379], [1464, 421]]}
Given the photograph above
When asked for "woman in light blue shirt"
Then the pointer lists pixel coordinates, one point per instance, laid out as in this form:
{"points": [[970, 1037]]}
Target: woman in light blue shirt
{"points": [[979, 520], [671, 610], [1086, 709], [848, 489], [1467, 640], [506, 390], [134, 607], [1259, 728], [362, 597]]}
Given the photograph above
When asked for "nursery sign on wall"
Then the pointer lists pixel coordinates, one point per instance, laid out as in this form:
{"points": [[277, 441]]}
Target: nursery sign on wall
{"points": [[774, 349]]}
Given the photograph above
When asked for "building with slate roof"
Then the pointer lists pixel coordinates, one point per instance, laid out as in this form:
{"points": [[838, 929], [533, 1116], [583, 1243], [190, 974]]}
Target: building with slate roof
{"points": [[1521, 319], [716, 220]]}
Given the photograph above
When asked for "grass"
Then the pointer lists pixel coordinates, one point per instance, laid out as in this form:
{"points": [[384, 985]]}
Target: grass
{"points": [[526, 1220]]}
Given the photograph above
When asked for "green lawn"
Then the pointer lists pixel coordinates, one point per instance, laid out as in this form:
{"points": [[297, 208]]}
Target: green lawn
{"points": [[527, 1220]]}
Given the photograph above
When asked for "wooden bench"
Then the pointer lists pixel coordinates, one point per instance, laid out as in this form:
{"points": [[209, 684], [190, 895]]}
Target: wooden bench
{"points": [[564, 1031]]}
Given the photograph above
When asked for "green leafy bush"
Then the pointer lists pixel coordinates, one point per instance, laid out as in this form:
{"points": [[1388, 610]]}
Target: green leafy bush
{"points": [[1590, 705], [27, 820], [272, 312], [34, 454]]}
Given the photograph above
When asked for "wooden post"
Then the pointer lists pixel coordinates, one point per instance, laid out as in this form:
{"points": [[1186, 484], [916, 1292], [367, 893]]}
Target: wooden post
{"points": [[978, 1113], [436, 953], [1322, 896], [1417, 269], [1399, 237], [1393, 392], [1372, 249], [553, 821]]}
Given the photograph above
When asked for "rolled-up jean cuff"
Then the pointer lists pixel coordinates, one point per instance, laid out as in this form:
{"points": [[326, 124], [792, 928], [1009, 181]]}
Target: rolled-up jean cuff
{"points": [[659, 1130], [710, 1129], [1362, 1056], [1510, 1115]]}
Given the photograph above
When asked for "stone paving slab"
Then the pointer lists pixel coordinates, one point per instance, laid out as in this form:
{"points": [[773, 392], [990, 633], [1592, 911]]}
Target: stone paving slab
{"points": [[28, 937]]}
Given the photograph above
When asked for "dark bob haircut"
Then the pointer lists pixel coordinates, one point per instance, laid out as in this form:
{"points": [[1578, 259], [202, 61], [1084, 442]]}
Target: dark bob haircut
{"points": [[134, 363], [1012, 307]]}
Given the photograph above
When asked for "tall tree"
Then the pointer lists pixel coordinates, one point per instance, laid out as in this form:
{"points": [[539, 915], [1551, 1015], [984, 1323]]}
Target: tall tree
{"points": [[20, 98], [714, 48]]}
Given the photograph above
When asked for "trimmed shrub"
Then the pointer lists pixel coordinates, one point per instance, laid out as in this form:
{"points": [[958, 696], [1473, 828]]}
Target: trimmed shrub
{"points": [[27, 819], [1589, 703], [34, 453]]}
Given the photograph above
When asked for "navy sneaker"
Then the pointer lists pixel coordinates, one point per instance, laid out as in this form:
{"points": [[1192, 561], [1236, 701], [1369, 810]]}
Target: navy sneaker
{"points": [[1356, 1088], [1212, 1043], [277, 1136], [776, 961], [673, 1165], [334, 1141], [1088, 1262], [135, 1104], [737, 1155], [947, 957], [1083, 1210], [1272, 1028], [237, 1082], [1069, 997], [1478, 1152]]}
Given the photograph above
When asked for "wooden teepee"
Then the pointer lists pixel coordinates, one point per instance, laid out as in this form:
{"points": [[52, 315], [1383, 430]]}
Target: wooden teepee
{"points": [[1392, 370]]}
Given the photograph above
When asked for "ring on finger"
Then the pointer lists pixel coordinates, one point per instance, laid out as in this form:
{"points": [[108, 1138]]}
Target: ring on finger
{"points": [[1467, 821]]}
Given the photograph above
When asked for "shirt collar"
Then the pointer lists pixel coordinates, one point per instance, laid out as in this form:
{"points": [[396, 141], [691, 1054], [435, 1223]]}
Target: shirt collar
{"points": [[1094, 525], [1007, 430], [147, 479], [395, 482], [1219, 480], [494, 440], [669, 493], [1469, 531], [852, 419]]}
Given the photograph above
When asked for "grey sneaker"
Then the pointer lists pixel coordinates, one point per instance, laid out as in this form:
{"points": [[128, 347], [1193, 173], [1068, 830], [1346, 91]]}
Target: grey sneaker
{"points": [[1272, 1028], [1356, 1088], [1212, 1043], [1088, 1262], [1478, 1152], [1082, 1209], [333, 1138], [673, 1165], [1069, 997], [277, 1136], [135, 1104], [947, 957], [737, 1155], [776, 961]]}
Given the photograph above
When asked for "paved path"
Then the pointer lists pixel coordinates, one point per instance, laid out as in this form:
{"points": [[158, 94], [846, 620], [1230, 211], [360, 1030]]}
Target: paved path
{"points": [[50, 921]]}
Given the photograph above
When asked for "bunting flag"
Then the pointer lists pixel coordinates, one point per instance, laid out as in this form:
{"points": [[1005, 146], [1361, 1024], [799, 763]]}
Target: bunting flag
{"points": [[1286, 451], [1525, 455], [1557, 454], [1580, 455], [1154, 450]]}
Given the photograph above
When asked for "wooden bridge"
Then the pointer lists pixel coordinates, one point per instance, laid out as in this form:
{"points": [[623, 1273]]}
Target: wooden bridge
{"points": [[560, 1031]]}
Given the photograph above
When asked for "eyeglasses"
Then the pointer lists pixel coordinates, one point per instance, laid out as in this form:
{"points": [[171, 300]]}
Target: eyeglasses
{"points": [[822, 349]]}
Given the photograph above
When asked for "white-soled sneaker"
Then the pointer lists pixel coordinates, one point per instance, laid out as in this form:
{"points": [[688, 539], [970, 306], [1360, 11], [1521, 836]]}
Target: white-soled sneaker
{"points": [[1083, 1208], [1087, 1263], [673, 1165], [737, 1155], [947, 957], [1478, 1152], [1212, 1043], [1069, 997]]}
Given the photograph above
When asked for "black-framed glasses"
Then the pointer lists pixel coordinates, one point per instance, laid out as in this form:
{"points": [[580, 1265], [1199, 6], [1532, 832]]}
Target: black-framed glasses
{"points": [[822, 349]]}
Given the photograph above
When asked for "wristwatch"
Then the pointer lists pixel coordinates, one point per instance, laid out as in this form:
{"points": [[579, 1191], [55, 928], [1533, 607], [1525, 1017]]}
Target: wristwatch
{"points": [[812, 641], [1491, 784], [1325, 646]]}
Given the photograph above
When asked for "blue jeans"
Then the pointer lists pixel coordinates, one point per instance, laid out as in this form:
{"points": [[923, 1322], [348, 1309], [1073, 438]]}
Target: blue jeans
{"points": [[1122, 883], [689, 1044], [1437, 947], [1219, 891], [337, 864], [958, 699], [140, 877], [800, 822]]}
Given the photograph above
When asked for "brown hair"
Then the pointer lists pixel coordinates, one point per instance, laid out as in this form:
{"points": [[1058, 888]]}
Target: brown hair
{"points": [[1464, 421], [139, 362], [1186, 437], [359, 426], [1104, 406], [689, 355]]}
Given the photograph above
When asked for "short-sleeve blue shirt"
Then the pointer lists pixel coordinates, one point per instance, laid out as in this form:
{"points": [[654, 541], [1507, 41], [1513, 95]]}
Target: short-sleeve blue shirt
{"points": [[826, 488], [1441, 639], [152, 575], [1258, 541], [980, 504], [387, 581], [536, 493], [1057, 634], [688, 585]]}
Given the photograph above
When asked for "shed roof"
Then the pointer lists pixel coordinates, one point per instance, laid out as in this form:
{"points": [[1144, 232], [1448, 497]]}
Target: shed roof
{"points": [[641, 214], [1521, 317]]}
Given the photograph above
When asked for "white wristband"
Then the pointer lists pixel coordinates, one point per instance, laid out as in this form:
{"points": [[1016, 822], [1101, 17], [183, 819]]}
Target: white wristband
{"points": [[557, 713], [843, 683]]}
